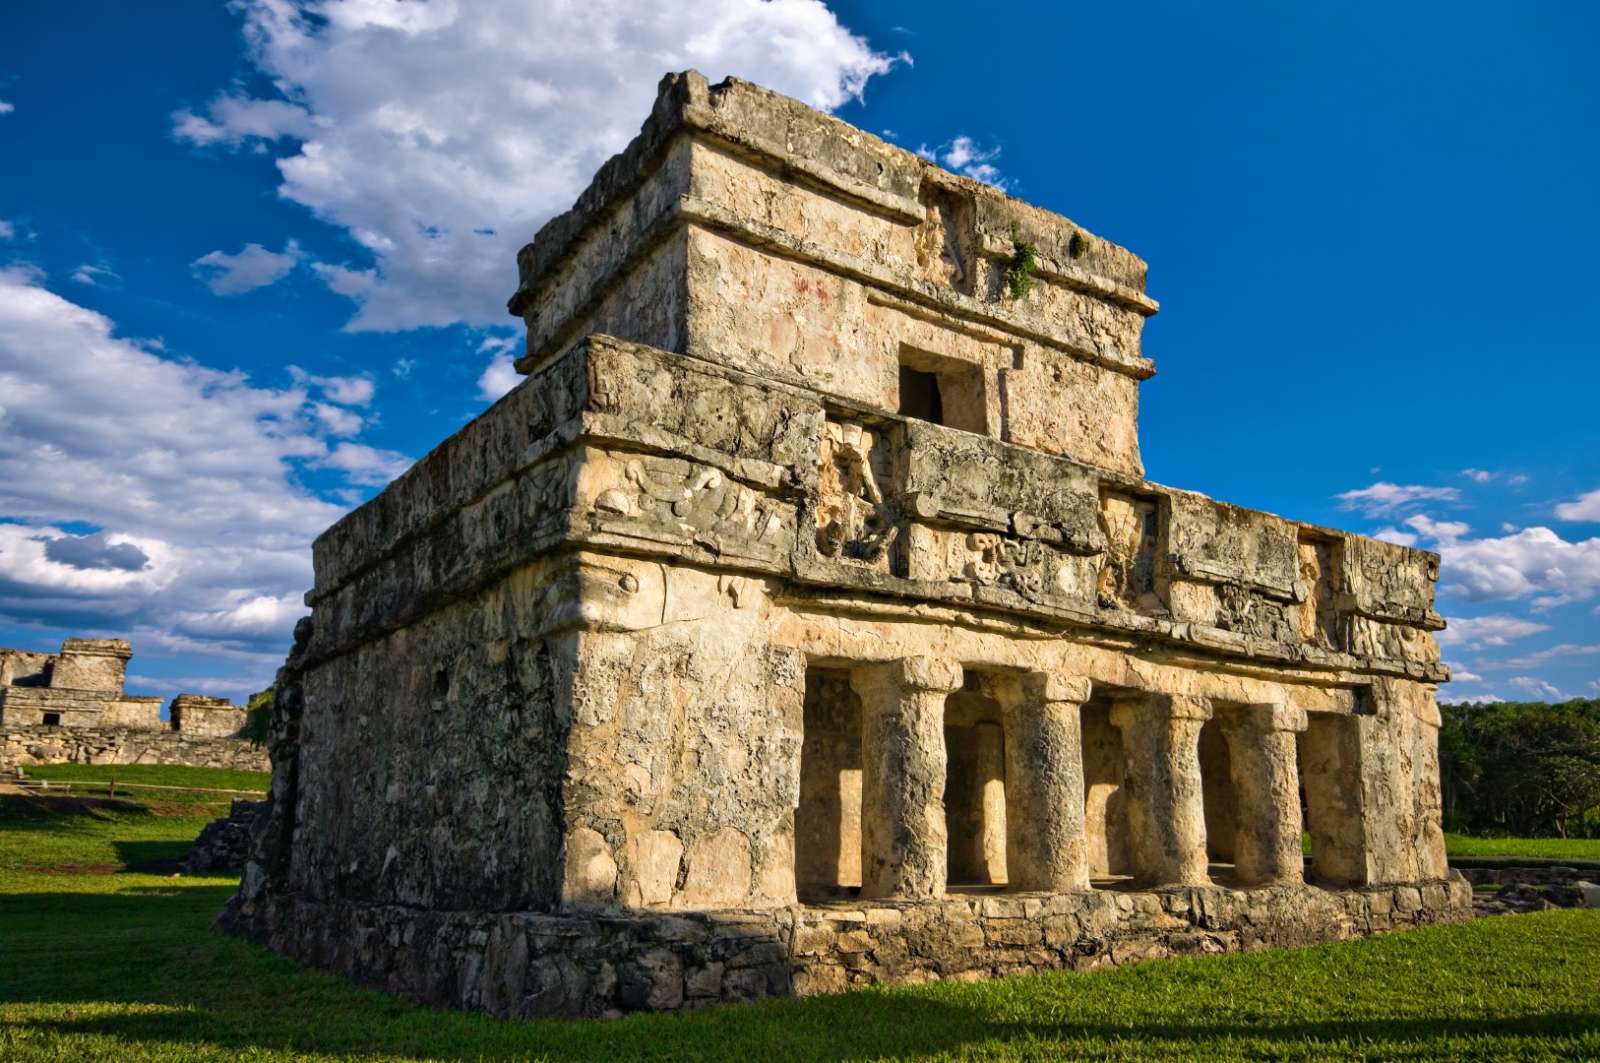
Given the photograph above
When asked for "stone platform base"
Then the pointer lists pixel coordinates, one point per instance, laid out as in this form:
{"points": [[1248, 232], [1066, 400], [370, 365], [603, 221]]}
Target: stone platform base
{"points": [[522, 964]]}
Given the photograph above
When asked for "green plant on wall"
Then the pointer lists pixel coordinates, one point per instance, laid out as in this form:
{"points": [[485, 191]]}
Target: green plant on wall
{"points": [[1019, 275]]}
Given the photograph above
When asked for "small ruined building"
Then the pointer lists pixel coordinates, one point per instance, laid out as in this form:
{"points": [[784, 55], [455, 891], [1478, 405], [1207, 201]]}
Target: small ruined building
{"points": [[805, 620], [69, 707]]}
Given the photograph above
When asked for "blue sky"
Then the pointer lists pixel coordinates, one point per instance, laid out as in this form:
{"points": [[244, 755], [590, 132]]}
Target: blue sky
{"points": [[253, 261]]}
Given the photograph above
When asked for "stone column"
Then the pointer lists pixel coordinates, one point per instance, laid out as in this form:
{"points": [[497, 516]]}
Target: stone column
{"points": [[903, 842], [1166, 805], [1045, 845], [1266, 786]]}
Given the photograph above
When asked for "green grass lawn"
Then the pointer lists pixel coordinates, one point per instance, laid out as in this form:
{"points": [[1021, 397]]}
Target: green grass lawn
{"points": [[1543, 848], [155, 775], [100, 962]]}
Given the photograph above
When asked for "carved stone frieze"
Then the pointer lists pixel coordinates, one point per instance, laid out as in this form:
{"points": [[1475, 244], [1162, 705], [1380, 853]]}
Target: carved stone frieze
{"points": [[855, 522]]}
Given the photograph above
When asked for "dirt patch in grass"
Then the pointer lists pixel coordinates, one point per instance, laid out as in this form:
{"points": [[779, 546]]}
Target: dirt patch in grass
{"points": [[180, 808]]}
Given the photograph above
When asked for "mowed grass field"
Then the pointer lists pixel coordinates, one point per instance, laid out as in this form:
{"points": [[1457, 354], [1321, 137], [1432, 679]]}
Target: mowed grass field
{"points": [[104, 955]]}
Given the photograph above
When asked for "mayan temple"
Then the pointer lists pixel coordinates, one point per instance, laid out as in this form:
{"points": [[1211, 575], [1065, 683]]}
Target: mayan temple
{"points": [[805, 620]]}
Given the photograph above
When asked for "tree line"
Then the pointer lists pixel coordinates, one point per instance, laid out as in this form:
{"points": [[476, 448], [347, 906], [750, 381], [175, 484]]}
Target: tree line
{"points": [[1528, 769]]}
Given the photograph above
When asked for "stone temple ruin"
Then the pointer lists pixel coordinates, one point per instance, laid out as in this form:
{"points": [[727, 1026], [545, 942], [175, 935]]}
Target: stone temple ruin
{"points": [[805, 620], [71, 707]]}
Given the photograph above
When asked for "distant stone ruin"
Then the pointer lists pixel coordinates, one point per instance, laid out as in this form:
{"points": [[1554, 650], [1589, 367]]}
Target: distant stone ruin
{"points": [[69, 707], [805, 621]]}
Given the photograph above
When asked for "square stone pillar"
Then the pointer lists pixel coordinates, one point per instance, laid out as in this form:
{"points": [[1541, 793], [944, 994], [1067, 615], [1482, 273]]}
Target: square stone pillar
{"points": [[1045, 845], [1166, 804], [1266, 786], [904, 848]]}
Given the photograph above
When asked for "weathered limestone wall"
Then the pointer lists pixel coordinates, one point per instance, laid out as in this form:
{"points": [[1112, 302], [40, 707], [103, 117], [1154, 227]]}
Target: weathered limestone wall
{"points": [[429, 768], [91, 664], [27, 746], [197, 714], [847, 589], [699, 239], [24, 668], [37, 706]]}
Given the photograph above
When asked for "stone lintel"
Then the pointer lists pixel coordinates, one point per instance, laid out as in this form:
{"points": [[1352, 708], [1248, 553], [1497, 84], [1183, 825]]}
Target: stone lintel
{"points": [[1267, 716]]}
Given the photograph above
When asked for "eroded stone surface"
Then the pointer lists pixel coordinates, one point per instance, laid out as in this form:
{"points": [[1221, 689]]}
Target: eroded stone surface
{"points": [[731, 653]]}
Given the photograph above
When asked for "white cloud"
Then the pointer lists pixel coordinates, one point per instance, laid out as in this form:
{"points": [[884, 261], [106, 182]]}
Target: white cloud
{"points": [[1536, 687], [252, 267], [345, 390], [337, 420], [441, 135], [1474, 699], [7, 108], [364, 465], [1481, 476], [235, 119], [92, 275], [499, 376], [1384, 499], [1394, 535], [1546, 655], [1585, 507], [188, 475], [964, 156], [1479, 632], [403, 367], [1460, 674], [7, 230], [1532, 562]]}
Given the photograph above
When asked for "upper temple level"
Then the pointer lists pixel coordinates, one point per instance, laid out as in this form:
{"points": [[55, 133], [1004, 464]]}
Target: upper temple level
{"points": [[747, 229]]}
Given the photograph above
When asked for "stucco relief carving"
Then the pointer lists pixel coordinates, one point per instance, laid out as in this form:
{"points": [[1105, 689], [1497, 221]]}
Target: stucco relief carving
{"points": [[691, 498], [854, 520]]}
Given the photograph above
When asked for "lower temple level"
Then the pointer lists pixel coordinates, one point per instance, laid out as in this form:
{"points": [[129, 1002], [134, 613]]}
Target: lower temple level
{"points": [[527, 964]]}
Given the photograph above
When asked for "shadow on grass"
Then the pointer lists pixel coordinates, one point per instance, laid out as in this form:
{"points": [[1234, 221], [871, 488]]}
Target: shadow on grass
{"points": [[53, 813], [152, 857], [199, 992]]}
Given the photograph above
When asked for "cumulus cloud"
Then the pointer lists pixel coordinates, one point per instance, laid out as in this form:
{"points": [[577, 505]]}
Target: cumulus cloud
{"points": [[364, 465], [95, 551], [441, 135], [1532, 563], [337, 420], [964, 156], [7, 108], [186, 477], [1585, 507], [1385, 499], [345, 390], [1460, 674], [1536, 687], [1481, 476], [7, 230], [1480, 632], [252, 267], [499, 376]]}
